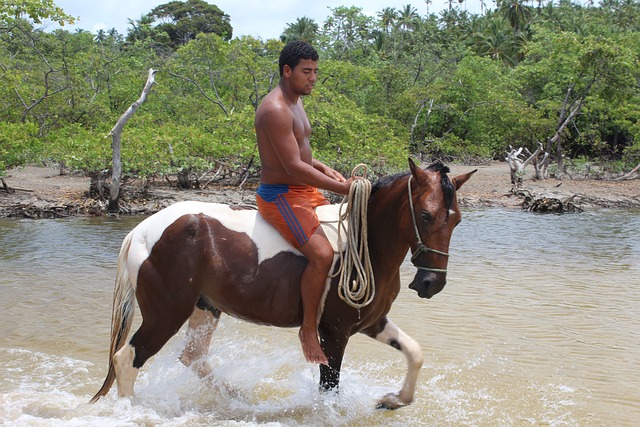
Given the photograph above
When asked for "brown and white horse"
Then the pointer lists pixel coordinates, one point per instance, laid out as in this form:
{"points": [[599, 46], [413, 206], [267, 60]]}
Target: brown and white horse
{"points": [[193, 261]]}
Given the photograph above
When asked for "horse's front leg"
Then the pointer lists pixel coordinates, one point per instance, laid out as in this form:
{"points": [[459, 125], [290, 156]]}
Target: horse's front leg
{"points": [[333, 346], [387, 332]]}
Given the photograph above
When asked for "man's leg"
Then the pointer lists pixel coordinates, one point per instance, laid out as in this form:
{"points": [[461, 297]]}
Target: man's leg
{"points": [[319, 254]]}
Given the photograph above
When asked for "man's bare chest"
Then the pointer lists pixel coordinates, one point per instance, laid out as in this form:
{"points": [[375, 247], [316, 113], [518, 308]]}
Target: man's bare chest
{"points": [[301, 125]]}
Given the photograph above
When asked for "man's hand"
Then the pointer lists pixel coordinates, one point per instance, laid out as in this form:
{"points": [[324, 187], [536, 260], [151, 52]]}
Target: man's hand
{"points": [[328, 171], [332, 173]]}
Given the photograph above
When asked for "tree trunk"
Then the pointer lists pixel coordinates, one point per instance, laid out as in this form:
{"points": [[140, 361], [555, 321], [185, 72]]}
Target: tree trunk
{"points": [[116, 133], [5, 186], [563, 122], [95, 185], [184, 183]]}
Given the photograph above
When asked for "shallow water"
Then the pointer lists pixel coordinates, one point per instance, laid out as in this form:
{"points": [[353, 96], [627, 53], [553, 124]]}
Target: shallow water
{"points": [[538, 325]]}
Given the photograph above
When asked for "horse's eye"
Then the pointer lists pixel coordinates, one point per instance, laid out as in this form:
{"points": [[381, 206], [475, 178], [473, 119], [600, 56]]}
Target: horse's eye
{"points": [[426, 216]]}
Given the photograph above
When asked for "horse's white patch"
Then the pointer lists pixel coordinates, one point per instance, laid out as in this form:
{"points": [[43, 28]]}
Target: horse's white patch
{"points": [[126, 374], [267, 239], [412, 351]]}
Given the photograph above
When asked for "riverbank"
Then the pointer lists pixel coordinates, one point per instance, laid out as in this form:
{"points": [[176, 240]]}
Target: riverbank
{"points": [[42, 192]]}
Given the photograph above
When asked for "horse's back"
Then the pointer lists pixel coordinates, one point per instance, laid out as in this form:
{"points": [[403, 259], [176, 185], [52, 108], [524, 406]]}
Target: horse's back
{"points": [[247, 221], [238, 254]]}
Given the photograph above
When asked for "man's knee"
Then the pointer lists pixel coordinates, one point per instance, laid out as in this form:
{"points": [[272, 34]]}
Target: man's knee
{"points": [[326, 257], [319, 252]]}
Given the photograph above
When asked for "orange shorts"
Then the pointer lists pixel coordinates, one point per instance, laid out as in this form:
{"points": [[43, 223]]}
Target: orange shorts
{"points": [[291, 210]]}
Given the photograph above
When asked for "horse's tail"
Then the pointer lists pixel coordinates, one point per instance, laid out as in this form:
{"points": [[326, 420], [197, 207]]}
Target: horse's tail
{"points": [[121, 314]]}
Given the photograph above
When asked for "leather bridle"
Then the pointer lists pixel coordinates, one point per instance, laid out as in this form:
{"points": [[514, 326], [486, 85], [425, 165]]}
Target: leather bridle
{"points": [[422, 248]]}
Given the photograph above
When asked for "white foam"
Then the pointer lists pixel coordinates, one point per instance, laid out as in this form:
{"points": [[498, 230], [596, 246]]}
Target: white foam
{"points": [[261, 379]]}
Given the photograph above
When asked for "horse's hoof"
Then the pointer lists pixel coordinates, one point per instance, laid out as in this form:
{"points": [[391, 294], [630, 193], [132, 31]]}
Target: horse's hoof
{"points": [[390, 402]]}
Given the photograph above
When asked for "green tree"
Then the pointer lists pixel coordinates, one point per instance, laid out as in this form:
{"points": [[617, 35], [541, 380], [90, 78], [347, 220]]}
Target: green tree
{"points": [[566, 75], [183, 21], [407, 17], [304, 29], [19, 144], [141, 29], [388, 18], [344, 136], [36, 10], [623, 14], [495, 41], [347, 34], [452, 84], [477, 112], [519, 16]]}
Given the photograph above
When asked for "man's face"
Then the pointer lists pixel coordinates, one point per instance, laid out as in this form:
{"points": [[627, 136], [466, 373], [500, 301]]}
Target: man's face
{"points": [[303, 77]]}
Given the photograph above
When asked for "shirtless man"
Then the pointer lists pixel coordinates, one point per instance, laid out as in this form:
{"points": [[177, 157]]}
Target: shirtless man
{"points": [[290, 178]]}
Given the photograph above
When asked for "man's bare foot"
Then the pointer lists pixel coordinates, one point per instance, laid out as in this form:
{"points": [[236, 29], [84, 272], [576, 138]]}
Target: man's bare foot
{"points": [[311, 348]]}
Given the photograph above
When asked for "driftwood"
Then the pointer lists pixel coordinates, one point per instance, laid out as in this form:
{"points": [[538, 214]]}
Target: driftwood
{"points": [[44, 210], [519, 159], [633, 174], [546, 204], [8, 189]]}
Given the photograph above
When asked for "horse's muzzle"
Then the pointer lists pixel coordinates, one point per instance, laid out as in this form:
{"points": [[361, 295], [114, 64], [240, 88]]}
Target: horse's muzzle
{"points": [[428, 283]]}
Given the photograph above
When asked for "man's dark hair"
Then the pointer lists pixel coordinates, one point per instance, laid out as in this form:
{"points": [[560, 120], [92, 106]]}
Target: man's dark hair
{"points": [[295, 51]]}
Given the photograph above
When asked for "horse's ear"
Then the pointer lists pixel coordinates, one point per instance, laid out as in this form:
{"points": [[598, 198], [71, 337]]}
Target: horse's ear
{"points": [[413, 168], [461, 179]]}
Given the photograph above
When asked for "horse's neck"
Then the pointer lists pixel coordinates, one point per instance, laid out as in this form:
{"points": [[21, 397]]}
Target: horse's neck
{"points": [[386, 213], [386, 246]]}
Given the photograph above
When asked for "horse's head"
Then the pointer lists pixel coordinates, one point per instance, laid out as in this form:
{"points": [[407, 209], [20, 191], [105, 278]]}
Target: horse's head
{"points": [[434, 214]]}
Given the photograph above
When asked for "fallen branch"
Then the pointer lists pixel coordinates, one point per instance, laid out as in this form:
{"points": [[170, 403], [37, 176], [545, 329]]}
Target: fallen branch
{"points": [[206, 184], [548, 204], [630, 175]]}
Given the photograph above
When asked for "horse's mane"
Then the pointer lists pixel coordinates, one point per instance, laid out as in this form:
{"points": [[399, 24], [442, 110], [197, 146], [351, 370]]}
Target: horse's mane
{"points": [[447, 186]]}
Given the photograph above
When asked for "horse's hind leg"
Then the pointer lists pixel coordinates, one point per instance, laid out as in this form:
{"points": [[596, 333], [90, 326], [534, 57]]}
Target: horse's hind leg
{"points": [[162, 317], [202, 324], [126, 373]]}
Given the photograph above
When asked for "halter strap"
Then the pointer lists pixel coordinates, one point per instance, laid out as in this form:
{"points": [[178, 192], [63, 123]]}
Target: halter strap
{"points": [[421, 246]]}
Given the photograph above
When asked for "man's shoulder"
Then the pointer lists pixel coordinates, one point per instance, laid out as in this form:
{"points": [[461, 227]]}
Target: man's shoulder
{"points": [[273, 105]]}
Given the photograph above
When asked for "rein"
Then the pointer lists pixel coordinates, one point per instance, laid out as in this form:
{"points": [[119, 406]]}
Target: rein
{"points": [[422, 248]]}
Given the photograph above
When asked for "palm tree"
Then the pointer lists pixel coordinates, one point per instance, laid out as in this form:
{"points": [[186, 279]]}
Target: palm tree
{"points": [[304, 29], [388, 17], [495, 41], [140, 29], [519, 16], [101, 36], [408, 16]]}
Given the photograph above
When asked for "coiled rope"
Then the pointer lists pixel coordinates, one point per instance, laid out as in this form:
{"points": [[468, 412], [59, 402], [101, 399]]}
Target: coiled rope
{"points": [[360, 291]]}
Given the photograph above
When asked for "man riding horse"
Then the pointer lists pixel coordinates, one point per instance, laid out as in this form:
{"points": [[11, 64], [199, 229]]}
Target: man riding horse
{"points": [[290, 178]]}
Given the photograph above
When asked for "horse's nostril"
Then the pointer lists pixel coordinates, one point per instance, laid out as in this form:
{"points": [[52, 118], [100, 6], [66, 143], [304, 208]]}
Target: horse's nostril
{"points": [[427, 281]]}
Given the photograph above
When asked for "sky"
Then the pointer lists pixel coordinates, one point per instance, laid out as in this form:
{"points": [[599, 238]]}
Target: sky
{"points": [[263, 19]]}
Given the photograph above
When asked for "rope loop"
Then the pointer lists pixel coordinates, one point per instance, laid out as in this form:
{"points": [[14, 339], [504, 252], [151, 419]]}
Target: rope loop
{"points": [[360, 291]]}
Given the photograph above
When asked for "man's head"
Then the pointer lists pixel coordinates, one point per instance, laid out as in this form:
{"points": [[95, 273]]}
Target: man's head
{"points": [[295, 51]]}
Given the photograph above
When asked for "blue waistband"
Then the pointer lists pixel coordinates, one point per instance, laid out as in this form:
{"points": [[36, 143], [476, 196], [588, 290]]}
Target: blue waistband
{"points": [[269, 192]]}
